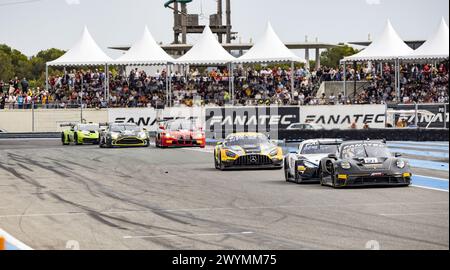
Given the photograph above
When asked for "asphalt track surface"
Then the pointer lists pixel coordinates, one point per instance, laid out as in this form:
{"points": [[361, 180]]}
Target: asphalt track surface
{"points": [[148, 198]]}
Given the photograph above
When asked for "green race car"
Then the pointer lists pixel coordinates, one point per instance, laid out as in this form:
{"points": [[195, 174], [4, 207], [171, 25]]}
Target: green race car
{"points": [[81, 134]]}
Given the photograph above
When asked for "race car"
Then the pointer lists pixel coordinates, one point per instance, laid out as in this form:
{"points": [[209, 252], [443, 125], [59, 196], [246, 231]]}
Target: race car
{"points": [[247, 151], [303, 165], [123, 135], [80, 134], [364, 163], [180, 133]]}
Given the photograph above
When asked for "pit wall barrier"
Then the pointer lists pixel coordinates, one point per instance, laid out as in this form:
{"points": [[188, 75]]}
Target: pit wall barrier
{"points": [[219, 121]]}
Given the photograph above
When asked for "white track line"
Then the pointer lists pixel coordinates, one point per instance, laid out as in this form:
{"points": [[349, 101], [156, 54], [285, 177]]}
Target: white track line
{"points": [[13, 241], [184, 235], [435, 189], [434, 178], [415, 214]]}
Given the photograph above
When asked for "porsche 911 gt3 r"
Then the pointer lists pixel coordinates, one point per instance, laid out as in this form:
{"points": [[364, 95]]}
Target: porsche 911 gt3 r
{"points": [[124, 135], [248, 151], [80, 134], [364, 163], [303, 165], [180, 133]]}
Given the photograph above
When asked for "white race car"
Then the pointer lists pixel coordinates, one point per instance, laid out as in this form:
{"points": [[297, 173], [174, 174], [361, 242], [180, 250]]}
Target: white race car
{"points": [[303, 165]]}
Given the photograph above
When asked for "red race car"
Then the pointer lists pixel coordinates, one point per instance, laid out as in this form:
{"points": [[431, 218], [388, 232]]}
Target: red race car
{"points": [[180, 133]]}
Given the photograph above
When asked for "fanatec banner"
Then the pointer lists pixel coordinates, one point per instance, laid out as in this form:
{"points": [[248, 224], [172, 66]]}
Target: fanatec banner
{"points": [[148, 117], [343, 116], [220, 122], [424, 115]]}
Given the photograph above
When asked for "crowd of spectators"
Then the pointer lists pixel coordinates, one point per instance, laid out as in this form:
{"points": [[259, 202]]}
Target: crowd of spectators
{"points": [[419, 83]]}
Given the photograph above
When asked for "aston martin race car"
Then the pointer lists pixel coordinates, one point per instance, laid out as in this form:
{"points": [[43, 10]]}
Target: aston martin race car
{"points": [[180, 133], [364, 163], [123, 135], [80, 134], [303, 165], [248, 151]]}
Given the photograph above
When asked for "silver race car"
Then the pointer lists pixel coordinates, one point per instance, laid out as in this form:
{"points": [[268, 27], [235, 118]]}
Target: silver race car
{"points": [[303, 165]]}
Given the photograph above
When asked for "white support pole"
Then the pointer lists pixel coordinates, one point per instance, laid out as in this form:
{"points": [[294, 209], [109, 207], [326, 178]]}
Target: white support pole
{"points": [[397, 79], [170, 85], [46, 77], [231, 82], [345, 80], [106, 85], [292, 80], [167, 84]]}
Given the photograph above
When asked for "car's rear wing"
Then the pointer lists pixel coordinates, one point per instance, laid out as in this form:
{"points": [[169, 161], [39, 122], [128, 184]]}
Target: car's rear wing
{"points": [[68, 125]]}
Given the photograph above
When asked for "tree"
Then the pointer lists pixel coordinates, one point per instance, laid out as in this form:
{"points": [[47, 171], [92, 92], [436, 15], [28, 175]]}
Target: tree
{"points": [[331, 57]]}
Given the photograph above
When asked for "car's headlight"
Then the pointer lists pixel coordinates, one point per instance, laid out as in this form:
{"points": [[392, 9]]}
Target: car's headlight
{"points": [[230, 154], [309, 164], [346, 165], [198, 135], [142, 135], [274, 152], [86, 133], [401, 164], [114, 136]]}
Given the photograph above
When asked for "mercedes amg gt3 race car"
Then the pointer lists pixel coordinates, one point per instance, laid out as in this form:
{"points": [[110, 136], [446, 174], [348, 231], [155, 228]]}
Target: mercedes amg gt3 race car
{"points": [[364, 163], [180, 133], [80, 134], [123, 135], [303, 165], [248, 151]]}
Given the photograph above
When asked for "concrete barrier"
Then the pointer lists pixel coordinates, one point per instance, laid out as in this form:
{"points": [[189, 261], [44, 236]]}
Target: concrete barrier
{"points": [[47, 120]]}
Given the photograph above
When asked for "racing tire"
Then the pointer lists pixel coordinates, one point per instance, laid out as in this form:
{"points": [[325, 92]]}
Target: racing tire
{"points": [[286, 172], [75, 138], [216, 164], [63, 139], [322, 183], [297, 179], [221, 166]]}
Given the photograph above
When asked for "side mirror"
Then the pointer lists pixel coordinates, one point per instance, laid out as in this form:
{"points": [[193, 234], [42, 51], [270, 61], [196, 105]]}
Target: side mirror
{"points": [[398, 155], [332, 156]]}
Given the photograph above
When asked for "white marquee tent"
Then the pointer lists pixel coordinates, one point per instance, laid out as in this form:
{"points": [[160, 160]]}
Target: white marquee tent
{"points": [[206, 51], [388, 46], [85, 52], [436, 47], [145, 51], [269, 49]]}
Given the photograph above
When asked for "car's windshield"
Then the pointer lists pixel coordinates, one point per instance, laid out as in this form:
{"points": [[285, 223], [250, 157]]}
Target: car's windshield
{"points": [[121, 128], [88, 127], [364, 150], [181, 125], [251, 139], [315, 148]]}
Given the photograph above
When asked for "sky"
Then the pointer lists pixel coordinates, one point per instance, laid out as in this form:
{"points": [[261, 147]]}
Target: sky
{"points": [[34, 25]]}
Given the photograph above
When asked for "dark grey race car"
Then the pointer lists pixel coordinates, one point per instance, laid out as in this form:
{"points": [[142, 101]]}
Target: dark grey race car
{"points": [[364, 163]]}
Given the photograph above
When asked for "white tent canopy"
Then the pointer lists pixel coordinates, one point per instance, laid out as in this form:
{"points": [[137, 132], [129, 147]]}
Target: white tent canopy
{"points": [[436, 47], [388, 46], [85, 52], [269, 48], [145, 51], [206, 51]]}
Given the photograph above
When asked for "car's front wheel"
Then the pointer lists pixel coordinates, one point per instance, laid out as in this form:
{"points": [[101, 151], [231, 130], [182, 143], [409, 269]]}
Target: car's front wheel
{"points": [[63, 139], [286, 171]]}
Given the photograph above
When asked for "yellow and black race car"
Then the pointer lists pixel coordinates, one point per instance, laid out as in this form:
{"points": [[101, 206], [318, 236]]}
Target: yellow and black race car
{"points": [[248, 151]]}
